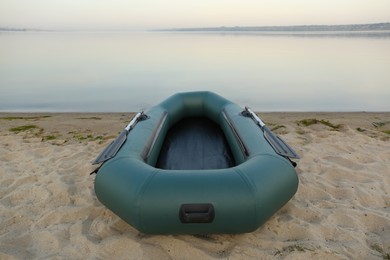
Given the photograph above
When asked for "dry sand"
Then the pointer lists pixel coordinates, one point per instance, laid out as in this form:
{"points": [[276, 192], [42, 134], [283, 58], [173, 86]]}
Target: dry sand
{"points": [[48, 208]]}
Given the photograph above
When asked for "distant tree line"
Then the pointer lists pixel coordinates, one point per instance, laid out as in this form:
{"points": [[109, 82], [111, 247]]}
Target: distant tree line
{"points": [[300, 28]]}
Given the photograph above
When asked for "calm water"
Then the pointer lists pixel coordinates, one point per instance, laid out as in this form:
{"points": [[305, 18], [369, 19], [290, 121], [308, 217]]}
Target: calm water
{"points": [[132, 71]]}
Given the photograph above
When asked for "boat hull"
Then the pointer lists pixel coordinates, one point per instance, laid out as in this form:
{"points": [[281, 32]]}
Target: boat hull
{"points": [[236, 199]]}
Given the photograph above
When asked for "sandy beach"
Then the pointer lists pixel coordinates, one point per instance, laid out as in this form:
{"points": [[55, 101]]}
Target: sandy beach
{"points": [[48, 207]]}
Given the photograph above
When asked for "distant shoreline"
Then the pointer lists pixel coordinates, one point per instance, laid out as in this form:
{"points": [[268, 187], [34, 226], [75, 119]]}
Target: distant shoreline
{"points": [[385, 27], [2, 29], [295, 28]]}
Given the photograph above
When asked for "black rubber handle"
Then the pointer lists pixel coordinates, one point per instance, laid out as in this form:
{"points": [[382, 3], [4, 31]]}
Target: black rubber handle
{"points": [[196, 213]]}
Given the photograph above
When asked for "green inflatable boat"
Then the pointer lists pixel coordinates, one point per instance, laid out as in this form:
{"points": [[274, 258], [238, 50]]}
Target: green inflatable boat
{"points": [[196, 164]]}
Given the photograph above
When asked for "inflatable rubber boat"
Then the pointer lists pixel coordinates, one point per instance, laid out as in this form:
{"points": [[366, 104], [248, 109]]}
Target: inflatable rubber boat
{"points": [[196, 164]]}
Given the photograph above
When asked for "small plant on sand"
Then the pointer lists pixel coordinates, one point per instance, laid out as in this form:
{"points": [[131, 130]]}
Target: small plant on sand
{"points": [[380, 123], [86, 137], [23, 128], [379, 249], [80, 137], [313, 121], [329, 124], [293, 248]]}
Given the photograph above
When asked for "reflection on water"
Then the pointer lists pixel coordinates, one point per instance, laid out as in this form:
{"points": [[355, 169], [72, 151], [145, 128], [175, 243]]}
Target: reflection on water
{"points": [[133, 71]]}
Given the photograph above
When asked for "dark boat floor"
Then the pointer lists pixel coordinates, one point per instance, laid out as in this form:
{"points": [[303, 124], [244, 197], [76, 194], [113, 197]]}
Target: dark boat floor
{"points": [[195, 143]]}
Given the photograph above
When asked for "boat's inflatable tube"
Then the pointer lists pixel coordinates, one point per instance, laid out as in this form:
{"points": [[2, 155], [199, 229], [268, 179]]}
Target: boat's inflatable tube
{"points": [[162, 196]]}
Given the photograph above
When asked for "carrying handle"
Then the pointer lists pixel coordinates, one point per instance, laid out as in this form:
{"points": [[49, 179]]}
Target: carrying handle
{"points": [[196, 213]]}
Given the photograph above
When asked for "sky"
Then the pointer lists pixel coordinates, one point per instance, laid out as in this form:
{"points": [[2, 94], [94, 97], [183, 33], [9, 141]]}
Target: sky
{"points": [[159, 14]]}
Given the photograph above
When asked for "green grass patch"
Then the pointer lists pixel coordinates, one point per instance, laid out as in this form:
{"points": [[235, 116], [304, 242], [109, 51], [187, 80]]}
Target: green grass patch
{"points": [[49, 137], [274, 128], [23, 128], [86, 137], [313, 121], [23, 117], [92, 117], [308, 122], [386, 132], [81, 137]]}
